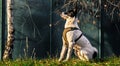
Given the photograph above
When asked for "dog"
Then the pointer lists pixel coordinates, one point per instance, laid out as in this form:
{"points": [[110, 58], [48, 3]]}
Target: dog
{"points": [[73, 39]]}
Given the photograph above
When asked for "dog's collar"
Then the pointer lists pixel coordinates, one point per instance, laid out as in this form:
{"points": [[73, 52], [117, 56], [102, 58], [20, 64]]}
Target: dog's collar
{"points": [[71, 28]]}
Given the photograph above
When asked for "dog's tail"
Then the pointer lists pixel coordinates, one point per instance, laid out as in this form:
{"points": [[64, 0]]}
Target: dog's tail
{"points": [[95, 53]]}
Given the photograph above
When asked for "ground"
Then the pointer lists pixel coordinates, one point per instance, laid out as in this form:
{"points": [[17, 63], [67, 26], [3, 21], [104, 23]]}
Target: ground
{"points": [[112, 61]]}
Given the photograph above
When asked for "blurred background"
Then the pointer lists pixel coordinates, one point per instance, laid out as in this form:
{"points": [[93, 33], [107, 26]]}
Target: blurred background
{"points": [[38, 26]]}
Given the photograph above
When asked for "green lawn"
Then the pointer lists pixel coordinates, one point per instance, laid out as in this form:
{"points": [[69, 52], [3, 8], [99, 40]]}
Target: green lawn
{"points": [[113, 61]]}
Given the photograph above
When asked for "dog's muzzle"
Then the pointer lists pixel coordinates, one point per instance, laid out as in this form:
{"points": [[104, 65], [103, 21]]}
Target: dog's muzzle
{"points": [[67, 30]]}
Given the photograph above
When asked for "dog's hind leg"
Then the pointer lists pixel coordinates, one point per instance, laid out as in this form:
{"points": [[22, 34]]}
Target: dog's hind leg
{"points": [[83, 55]]}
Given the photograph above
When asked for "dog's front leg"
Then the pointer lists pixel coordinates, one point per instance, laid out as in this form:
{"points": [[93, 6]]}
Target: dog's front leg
{"points": [[69, 52], [63, 51]]}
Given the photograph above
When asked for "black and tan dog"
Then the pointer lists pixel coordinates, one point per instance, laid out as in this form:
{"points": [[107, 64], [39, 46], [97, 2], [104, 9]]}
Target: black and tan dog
{"points": [[74, 39]]}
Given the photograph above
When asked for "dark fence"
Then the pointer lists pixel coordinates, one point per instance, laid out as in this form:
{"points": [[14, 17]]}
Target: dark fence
{"points": [[38, 29]]}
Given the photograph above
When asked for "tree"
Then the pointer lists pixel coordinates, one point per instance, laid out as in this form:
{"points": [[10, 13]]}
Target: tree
{"points": [[10, 32]]}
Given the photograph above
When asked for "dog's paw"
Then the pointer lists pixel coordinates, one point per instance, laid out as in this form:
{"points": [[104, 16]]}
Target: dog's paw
{"points": [[60, 60], [65, 60]]}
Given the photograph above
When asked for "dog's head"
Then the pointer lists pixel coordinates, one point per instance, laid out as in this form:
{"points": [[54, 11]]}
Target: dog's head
{"points": [[70, 13]]}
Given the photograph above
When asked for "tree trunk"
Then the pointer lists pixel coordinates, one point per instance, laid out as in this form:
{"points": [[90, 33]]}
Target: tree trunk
{"points": [[10, 32]]}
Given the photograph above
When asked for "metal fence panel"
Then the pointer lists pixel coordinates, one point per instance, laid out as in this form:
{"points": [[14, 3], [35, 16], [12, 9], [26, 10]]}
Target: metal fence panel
{"points": [[31, 22], [38, 29]]}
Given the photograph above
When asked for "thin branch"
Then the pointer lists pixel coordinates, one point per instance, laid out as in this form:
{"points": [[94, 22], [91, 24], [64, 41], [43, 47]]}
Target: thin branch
{"points": [[117, 28], [114, 4], [29, 10], [112, 12]]}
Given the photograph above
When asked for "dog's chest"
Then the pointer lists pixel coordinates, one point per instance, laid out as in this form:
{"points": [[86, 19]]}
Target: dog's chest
{"points": [[71, 22]]}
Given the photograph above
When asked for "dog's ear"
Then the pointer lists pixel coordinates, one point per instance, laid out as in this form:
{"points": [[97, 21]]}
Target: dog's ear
{"points": [[75, 10], [70, 13]]}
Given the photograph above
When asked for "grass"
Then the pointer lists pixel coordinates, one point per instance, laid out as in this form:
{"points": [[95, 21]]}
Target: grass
{"points": [[112, 61]]}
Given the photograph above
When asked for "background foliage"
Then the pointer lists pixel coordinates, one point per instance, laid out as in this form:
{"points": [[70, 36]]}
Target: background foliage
{"points": [[38, 26]]}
